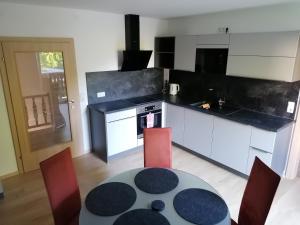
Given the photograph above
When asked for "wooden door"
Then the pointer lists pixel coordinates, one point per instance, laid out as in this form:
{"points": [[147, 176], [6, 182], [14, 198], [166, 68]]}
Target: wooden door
{"points": [[43, 89]]}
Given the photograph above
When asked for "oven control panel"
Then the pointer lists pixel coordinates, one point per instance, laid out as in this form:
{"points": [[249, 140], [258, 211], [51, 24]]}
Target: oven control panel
{"points": [[149, 107]]}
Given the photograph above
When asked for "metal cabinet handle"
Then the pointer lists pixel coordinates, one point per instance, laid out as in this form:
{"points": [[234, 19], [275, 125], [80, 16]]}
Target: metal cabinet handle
{"points": [[261, 150]]}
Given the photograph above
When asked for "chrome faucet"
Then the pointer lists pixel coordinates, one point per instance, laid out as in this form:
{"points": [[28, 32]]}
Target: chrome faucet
{"points": [[221, 103]]}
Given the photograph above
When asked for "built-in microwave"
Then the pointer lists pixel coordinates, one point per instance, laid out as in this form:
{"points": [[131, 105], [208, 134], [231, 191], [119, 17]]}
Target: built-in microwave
{"points": [[211, 61]]}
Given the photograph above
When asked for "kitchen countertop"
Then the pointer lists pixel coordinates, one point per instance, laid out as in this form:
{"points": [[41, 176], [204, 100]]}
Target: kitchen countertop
{"points": [[108, 107], [244, 116], [114, 106]]}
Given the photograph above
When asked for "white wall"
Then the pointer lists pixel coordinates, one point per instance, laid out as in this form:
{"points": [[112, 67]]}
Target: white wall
{"points": [[8, 162], [271, 18], [97, 36]]}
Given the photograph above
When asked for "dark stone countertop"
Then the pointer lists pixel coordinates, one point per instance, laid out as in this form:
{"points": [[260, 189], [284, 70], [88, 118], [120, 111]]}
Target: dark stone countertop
{"points": [[244, 116], [114, 106], [260, 120], [108, 107]]}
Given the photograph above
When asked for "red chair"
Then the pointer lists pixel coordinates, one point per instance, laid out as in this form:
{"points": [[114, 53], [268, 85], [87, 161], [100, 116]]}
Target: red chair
{"points": [[62, 188], [258, 196], [157, 147]]}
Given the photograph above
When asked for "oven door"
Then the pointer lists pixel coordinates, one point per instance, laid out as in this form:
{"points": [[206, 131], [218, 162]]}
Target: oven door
{"points": [[142, 121]]}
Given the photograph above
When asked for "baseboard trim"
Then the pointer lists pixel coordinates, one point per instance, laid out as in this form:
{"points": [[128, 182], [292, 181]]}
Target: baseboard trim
{"points": [[211, 161], [2, 177], [125, 153]]}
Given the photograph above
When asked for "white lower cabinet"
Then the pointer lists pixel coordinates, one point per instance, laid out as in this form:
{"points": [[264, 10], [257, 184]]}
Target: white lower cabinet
{"points": [[198, 132], [175, 120], [264, 156], [231, 144], [121, 135]]}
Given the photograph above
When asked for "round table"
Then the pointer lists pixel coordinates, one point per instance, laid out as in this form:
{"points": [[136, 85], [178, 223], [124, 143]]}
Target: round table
{"points": [[144, 200]]}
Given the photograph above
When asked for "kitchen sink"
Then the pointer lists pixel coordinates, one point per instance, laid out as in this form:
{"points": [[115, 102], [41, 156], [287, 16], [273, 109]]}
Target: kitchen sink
{"points": [[198, 104], [215, 108], [225, 110]]}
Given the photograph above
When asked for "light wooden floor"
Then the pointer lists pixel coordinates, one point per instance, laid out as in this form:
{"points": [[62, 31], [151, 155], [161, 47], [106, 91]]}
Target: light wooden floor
{"points": [[26, 201]]}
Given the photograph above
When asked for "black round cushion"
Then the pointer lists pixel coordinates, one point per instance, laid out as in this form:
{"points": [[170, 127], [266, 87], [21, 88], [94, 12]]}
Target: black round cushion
{"points": [[158, 205], [200, 206], [110, 199], [141, 217], [156, 180]]}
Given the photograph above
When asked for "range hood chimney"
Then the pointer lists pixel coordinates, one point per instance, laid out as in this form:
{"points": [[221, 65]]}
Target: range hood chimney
{"points": [[133, 57]]}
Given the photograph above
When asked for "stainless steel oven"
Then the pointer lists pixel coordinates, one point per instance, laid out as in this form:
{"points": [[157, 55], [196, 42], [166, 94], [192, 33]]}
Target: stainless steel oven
{"points": [[143, 111]]}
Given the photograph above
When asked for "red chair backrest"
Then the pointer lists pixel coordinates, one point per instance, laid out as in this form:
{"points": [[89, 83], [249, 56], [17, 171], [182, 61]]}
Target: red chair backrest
{"points": [[62, 188], [157, 147], [258, 195]]}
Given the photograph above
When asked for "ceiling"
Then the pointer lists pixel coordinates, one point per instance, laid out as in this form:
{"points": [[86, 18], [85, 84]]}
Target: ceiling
{"points": [[154, 8]]}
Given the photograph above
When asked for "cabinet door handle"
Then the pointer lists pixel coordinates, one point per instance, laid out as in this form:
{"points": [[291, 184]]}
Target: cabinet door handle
{"points": [[261, 150], [121, 119]]}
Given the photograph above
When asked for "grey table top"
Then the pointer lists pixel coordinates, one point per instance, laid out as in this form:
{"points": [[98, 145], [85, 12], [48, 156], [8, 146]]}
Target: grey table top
{"points": [[144, 200]]}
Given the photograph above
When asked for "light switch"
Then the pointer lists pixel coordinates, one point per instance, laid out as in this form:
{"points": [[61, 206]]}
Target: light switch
{"points": [[291, 107], [100, 94]]}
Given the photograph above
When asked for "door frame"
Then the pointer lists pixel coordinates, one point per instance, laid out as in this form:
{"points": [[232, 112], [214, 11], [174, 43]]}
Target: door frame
{"points": [[6, 87]]}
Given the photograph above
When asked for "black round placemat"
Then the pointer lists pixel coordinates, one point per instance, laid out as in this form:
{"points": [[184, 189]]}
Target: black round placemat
{"points": [[110, 199], [156, 180], [142, 217], [200, 206]]}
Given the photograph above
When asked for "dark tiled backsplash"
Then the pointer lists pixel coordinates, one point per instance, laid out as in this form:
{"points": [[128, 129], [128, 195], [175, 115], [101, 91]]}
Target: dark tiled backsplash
{"points": [[264, 96], [121, 85]]}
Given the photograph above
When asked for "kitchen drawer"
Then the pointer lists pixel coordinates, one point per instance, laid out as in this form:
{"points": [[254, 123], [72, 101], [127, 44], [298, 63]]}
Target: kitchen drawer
{"points": [[266, 157], [262, 139], [120, 115]]}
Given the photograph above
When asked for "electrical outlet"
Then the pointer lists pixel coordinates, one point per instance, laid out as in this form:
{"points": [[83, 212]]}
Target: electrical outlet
{"points": [[222, 29], [100, 94], [290, 107]]}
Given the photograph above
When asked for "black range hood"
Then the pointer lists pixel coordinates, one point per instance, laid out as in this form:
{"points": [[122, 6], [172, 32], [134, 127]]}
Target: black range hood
{"points": [[133, 57]]}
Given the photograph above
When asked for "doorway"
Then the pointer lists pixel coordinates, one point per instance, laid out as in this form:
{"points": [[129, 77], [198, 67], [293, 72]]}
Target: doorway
{"points": [[42, 97]]}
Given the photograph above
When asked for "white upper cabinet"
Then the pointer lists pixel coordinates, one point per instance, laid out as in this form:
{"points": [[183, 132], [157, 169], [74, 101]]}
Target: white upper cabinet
{"points": [[186, 45], [281, 44], [185, 53], [269, 68], [212, 39], [271, 56]]}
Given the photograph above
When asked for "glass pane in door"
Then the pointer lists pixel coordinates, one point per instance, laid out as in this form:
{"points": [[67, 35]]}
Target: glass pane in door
{"points": [[44, 93]]}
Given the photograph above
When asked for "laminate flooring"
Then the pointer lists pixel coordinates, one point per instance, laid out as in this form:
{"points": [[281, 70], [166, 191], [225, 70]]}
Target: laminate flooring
{"points": [[26, 201]]}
